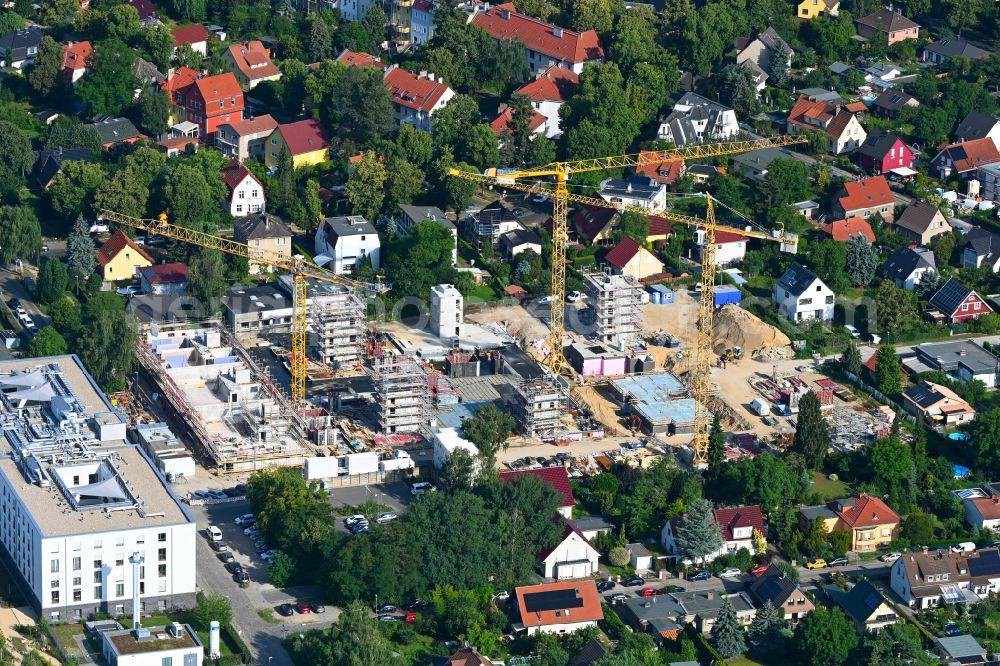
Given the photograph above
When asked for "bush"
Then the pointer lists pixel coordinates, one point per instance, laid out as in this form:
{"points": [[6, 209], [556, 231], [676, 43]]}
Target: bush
{"points": [[618, 556]]}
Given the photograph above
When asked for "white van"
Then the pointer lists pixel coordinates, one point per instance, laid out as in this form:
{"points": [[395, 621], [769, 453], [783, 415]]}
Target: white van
{"points": [[964, 547], [214, 533], [422, 487]]}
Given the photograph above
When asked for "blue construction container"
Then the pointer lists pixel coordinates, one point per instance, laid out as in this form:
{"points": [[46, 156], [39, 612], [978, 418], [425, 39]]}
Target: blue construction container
{"points": [[726, 294], [654, 297], [660, 295]]}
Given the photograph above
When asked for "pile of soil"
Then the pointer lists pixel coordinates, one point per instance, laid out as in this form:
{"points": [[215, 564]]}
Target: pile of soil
{"points": [[735, 327]]}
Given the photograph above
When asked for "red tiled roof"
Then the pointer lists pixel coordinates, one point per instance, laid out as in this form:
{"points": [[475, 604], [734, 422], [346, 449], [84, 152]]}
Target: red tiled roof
{"points": [[118, 242], [165, 274], [842, 230], [659, 226], [423, 6], [553, 476], [740, 516], [253, 60], [501, 123], [515, 291], [989, 507], [867, 510], [591, 220], [503, 22], [622, 253], [182, 78], [865, 193], [412, 91], [359, 59], [234, 173], [833, 119], [178, 141], [723, 237], [144, 7], [586, 604], [662, 172], [75, 55], [969, 155], [305, 136], [263, 123], [556, 84], [190, 34], [856, 107], [220, 86]]}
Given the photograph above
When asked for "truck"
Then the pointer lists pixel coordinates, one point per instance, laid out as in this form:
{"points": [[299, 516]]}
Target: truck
{"points": [[726, 294]]}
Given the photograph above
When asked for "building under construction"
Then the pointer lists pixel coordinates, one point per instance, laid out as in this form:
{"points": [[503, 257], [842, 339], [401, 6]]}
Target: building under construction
{"points": [[616, 301], [402, 394], [540, 407]]}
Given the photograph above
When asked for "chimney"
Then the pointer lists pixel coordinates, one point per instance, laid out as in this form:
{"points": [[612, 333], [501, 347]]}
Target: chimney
{"points": [[925, 550], [710, 595]]}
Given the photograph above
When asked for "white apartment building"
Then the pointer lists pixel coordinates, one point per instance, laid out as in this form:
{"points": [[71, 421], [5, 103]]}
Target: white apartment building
{"points": [[78, 503], [446, 311], [342, 242]]}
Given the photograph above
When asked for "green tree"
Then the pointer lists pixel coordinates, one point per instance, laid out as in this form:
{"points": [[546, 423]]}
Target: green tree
{"points": [[21, 233], [359, 110], [413, 145], [453, 123], [458, 191], [366, 188], [840, 543], [777, 66], [786, 181], [207, 279], [928, 284], [698, 535], [634, 225], [157, 45], [618, 556], [862, 260], [281, 570], [193, 202], [420, 259], [593, 14], [313, 206], [47, 70], [212, 607], [716, 446], [812, 439], [489, 430], [602, 118], [10, 21], [824, 638], [320, 40], [294, 75], [186, 56], [917, 528], [890, 461], [479, 147], [897, 645], [374, 24], [404, 181], [765, 636], [985, 437], [153, 108], [68, 132], [72, 190], [896, 309], [109, 86], [944, 247], [47, 342], [737, 88], [108, 349], [188, 10], [727, 634], [850, 360], [963, 13], [889, 370], [458, 472], [16, 158], [66, 317], [52, 279]]}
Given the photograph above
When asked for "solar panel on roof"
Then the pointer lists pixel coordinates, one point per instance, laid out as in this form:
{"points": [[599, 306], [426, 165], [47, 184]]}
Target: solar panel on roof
{"points": [[958, 153], [872, 600], [538, 602], [988, 563]]}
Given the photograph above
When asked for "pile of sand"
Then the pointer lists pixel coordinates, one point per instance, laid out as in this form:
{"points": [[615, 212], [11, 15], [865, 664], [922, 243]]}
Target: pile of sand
{"points": [[735, 327]]}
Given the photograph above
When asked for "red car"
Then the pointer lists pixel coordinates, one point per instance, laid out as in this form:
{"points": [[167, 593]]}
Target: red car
{"points": [[304, 607], [411, 617], [759, 570]]}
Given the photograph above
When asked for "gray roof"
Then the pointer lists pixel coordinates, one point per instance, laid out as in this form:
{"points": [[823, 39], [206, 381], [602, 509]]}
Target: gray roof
{"points": [[114, 130], [947, 356], [633, 187], [18, 42], [682, 130], [956, 48], [424, 213], [961, 646], [859, 602], [976, 125], [774, 586], [840, 67], [589, 523], [641, 610], [256, 298], [811, 513], [918, 217], [878, 144], [259, 226], [950, 296], [822, 95], [892, 99], [147, 72], [708, 603], [903, 262], [638, 550], [518, 237], [984, 243], [495, 213], [593, 651], [796, 279], [349, 225], [761, 159], [771, 39], [51, 161]]}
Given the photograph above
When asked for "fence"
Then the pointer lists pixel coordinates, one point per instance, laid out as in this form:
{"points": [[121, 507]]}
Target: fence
{"points": [[881, 397]]}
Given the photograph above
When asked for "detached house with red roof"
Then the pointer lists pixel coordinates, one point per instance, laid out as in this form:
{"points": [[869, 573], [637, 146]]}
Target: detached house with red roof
{"points": [[738, 525], [843, 230], [246, 194], [558, 608], [872, 524], [556, 478], [633, 260], [416, 97], [545, 44], [730, 248], [207, 101], [963, 159], [164, 279], [548, 92], [251, 63], [194, 35], [666, 173], [74, 65], [350, 58], [865, 197], [121, 258], [839, 123], [501, 125], [306, 141]]}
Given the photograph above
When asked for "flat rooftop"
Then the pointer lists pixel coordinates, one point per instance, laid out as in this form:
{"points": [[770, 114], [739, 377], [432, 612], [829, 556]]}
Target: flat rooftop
{"points": [[159, 639], [83, 385], [649, 388], [671, 411], [949, 354]]}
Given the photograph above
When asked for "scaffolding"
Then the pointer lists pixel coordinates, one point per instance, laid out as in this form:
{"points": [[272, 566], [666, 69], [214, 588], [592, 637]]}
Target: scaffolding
{"points": [[336, 326], [540, 406], [401, 394], [617, 304]]}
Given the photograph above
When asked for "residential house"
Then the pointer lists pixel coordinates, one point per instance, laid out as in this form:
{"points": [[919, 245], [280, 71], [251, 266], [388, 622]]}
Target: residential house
{"points": [[872, 524], [517, 241], [942, 50], [74, 64], [50, 163], [207, 101], [891, 102], [343, 242], [592, 526], [978, 125], [350, 58], [937, 404], [410, 215], [488, 224], [116, 131], [556, 478], [120, 258], [306, 141], [667, 173], [194, 36], [592, 652], [864, 605], [843, 230], [962, 650], [501, 125], [701, 173], [759, 49], [251, 63], [548, 92], [906, 266], [146, 11], [738, 525], [633, 260], [958, 303], [980, 247], [245, 139], [891, 23], [983, 512], [595, 224], [571, 557], [640, 558], [989, 182], [467, 656], [163, 279], [416, 97], [730, 247], [962, 360], [664, 616], [775, 586], [839, 123], [659, 229], [802, 296], [558, 608], [921, 223], [924, 580], [884, 152], [265, 235], [962, 159], [421, 22], [147, 76], [19, 49], [810, 9], [755, 164], [652, 615], [637, 191], [545, 44], [246, 194], [864, 198], [354, 10], [695, 119]]}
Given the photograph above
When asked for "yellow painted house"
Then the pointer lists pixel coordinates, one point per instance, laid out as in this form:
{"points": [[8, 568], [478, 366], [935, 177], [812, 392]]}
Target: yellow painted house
{"points": [[810, 9], [306, 140], [120, 258]]}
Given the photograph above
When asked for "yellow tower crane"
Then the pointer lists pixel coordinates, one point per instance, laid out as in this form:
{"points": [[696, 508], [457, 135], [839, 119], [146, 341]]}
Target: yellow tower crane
{"points": [[700, 383], [300, 269]]}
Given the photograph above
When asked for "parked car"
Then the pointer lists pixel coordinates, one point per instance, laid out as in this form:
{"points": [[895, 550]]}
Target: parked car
{"points": [[650, 592], [318, 608], [250, 531], [539, 198], [618, 597], [351, 521], [245, 519], [729, 572], [389, 618], [387, 608], [605, 585], [241, 577], [218, 546], [855, 333], [502, 595], [818, 563], [359, 528], [286, 610], [410, 617], [701, 575], [964, 547], [386, 517], [226, 556], [518, 212], [889, 558], [952, 629], [422, 487], [304, 608], [633, 581], [759, 570], [418, 604], [234, 567], [213, 533], [545, 300], [838, 562], [268, 556], [575, 296]]}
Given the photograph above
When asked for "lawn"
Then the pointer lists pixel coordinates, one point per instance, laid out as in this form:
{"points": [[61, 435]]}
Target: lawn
{"points": [[64, 634], [827, 488], [481, 294]]}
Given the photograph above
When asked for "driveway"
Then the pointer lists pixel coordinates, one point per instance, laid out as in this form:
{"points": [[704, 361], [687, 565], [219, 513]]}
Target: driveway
{"points": [[12, 286]]}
